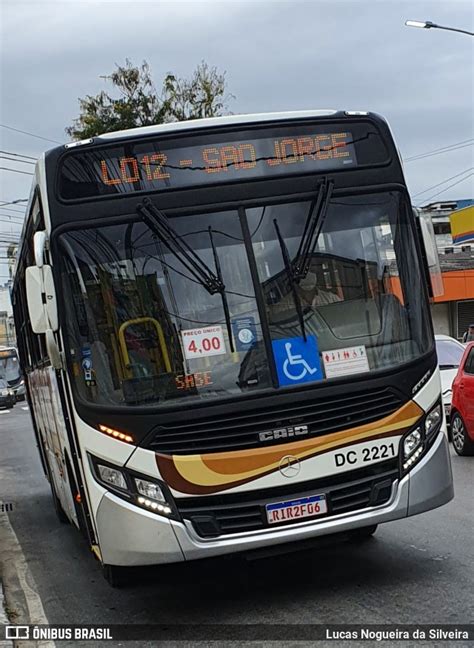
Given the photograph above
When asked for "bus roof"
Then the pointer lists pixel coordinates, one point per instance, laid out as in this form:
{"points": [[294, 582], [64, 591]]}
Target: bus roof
{"points": [[227, 120]]}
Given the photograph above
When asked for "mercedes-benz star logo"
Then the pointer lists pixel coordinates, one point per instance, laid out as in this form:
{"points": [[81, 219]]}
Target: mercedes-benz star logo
{"points": [[289, 466]]}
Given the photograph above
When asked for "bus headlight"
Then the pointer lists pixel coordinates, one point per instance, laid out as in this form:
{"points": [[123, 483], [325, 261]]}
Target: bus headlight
{"points": [[151, 496], [412, 448], [433, 420], [149, 489], [112, 476], [141, 490], [411, 442]]}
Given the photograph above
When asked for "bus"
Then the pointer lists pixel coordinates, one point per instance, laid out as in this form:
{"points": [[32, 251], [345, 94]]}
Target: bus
{"points": [[10, 371], [225, 330]]}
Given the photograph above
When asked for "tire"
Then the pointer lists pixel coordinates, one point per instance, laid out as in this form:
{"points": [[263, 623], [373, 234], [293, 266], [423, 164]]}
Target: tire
{"points": [[60, 514], [363, 533], [462, 444], [81, 520], [117, 577]]}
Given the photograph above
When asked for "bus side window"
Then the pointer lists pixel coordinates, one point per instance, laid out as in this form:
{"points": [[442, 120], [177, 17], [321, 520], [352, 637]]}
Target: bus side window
{"points": [[32, 347]]}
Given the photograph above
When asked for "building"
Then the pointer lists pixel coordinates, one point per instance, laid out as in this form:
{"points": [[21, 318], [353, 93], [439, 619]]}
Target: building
{"points": [[7, 327], [453, 222], [440, 213]]}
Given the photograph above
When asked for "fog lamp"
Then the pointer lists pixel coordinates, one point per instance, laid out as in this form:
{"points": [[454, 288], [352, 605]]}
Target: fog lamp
{"points": [[112, 476], [411, 442]]}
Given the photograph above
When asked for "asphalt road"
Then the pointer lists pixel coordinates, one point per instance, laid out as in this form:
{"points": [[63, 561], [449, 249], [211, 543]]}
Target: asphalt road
{"points": [[418, 570]]}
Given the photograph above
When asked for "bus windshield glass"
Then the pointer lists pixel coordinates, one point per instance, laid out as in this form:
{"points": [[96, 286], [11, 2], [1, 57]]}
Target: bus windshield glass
{"points": [[9, 366], [142, 330]]}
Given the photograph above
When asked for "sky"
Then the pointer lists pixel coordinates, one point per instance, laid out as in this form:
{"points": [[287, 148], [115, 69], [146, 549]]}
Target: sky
{"points": [[278, 55]]}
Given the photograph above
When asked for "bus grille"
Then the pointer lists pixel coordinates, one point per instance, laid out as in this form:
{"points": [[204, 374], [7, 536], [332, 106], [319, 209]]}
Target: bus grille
{"points": [[213, 516], [238, 431]]}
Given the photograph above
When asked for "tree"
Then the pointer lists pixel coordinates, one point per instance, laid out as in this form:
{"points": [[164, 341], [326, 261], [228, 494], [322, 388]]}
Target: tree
{"points": [[139, 104]]}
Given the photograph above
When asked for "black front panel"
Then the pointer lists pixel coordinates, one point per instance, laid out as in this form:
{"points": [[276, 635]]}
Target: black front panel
{"points": [[282, 424], [225, 514], [159, 163]]}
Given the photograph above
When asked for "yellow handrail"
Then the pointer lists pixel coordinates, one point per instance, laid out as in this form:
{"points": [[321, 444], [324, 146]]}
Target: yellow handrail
{"points": [[161, 338]]}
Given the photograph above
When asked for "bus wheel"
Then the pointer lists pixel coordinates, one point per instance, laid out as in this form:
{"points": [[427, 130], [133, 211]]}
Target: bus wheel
{"points": [[358, 535], [60, 514], [115, 576], [461, 442]]}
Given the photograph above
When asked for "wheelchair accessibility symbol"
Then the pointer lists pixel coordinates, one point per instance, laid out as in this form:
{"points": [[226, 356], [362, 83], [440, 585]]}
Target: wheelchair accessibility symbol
{"points": [[297, 361]]}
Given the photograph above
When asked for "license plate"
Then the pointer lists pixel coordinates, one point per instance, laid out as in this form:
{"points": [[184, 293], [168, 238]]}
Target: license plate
{"points": [[299, 509]]}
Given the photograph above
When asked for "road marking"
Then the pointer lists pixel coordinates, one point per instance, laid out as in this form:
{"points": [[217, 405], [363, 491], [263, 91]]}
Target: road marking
{"points": [[25, 408], [4, 411], [18, 582]]}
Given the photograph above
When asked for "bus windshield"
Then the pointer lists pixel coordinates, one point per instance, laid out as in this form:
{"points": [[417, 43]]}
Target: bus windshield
{"points": [[9, 366], [142, 330]]}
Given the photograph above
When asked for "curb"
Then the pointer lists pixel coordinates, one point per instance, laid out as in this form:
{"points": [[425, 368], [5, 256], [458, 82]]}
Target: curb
{"points": [[4, 643]]}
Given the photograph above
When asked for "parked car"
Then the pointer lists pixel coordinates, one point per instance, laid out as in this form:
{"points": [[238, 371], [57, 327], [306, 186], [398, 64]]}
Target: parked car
{"points": [[450, 352], [462, 409], [7, 395]]}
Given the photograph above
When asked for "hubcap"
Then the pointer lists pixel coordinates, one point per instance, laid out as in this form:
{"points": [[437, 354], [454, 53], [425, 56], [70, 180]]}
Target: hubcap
{"points": [[458, 433]]}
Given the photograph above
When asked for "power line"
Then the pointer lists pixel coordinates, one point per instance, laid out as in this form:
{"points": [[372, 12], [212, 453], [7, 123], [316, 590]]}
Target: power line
{"points": [[456, 148], [14, 202], [18, 130], [16, 171], [17, 215], [29, 157], [449, 147], [448, 187], [14, 216], [443, 182], [16, 211], [12, 159]]}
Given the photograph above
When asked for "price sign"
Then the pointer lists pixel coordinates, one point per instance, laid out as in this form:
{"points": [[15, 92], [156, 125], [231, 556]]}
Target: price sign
{"points": [[202, 342]]}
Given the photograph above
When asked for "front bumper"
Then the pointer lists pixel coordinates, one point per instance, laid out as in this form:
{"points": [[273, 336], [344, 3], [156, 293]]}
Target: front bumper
{"points": [[20, 392], [7, 401], [129, 535]]}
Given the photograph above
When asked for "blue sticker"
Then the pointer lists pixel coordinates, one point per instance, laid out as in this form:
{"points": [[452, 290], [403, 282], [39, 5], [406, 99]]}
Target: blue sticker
{"points": [[245, 333], [87, 364], [86, 351], [297, 361]]}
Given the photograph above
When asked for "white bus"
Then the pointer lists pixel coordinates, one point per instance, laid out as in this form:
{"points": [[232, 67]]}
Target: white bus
{"points": [[225, 330], [10, 371]]}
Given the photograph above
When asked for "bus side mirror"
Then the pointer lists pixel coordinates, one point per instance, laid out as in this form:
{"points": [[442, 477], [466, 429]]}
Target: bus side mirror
{"points": [[51, 303], [39, 244], [34, 298], [41, 298], [428, 241]]}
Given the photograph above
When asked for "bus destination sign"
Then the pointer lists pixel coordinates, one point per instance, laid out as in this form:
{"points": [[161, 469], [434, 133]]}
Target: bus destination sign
{"points": [[155, 165]]}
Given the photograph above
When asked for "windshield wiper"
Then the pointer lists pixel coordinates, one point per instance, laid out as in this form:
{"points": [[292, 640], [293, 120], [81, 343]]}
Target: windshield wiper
{"points": [[291, 279], [193, 263], [212, 282], [299, 268], [312, 229], [225, 303]]}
